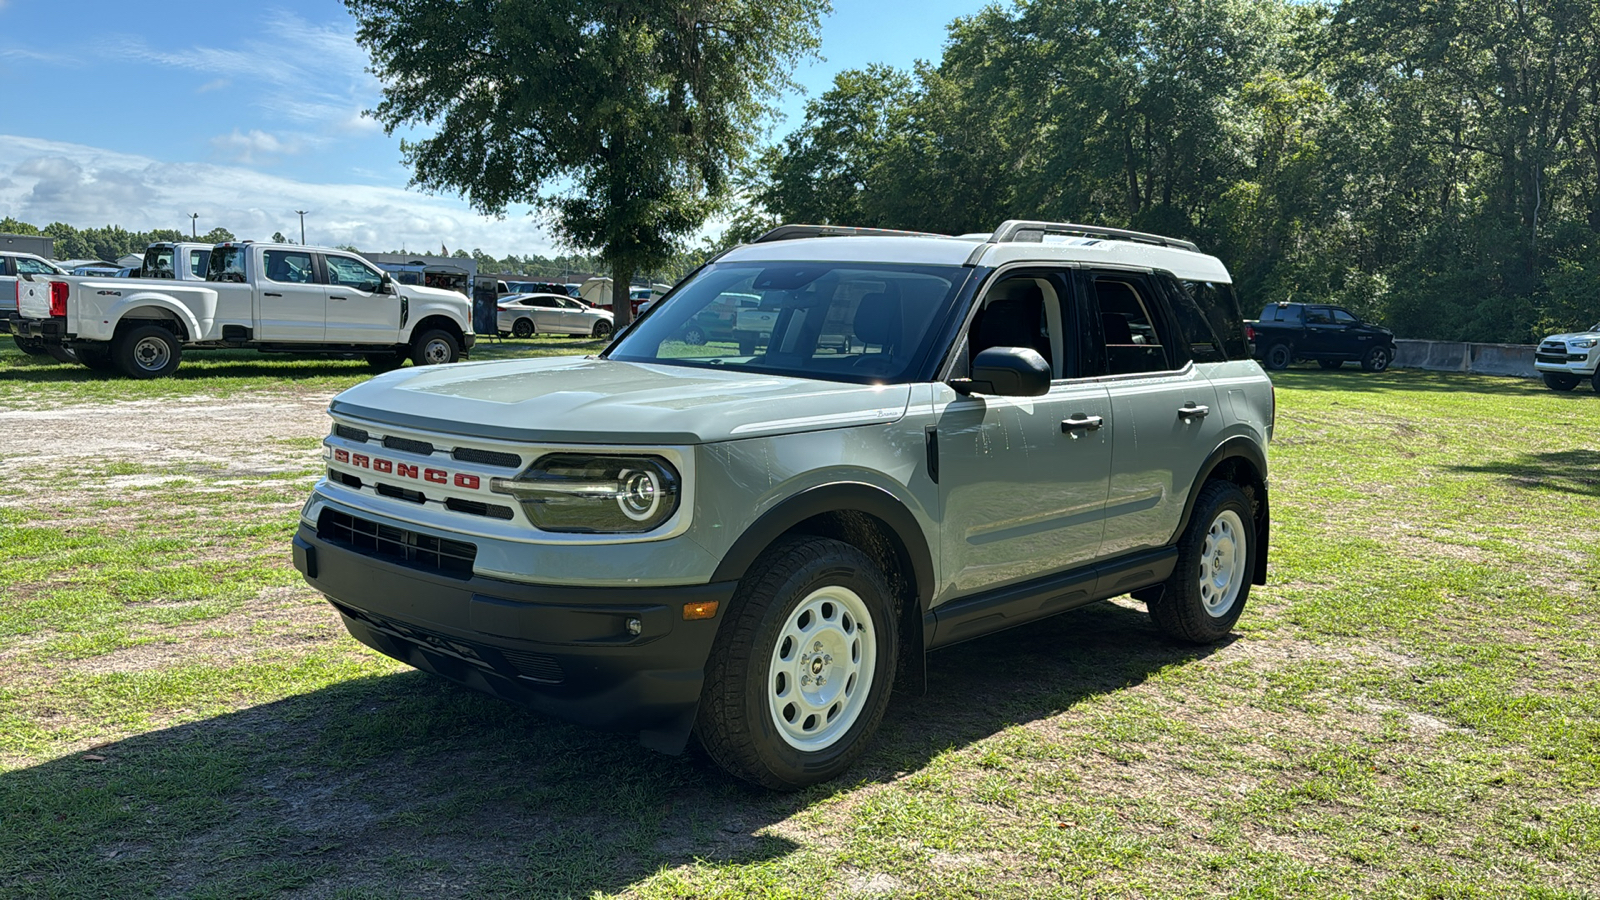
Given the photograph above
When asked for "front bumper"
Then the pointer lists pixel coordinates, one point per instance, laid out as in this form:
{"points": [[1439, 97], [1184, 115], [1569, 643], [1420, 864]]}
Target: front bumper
{"points": [[564, 651]]}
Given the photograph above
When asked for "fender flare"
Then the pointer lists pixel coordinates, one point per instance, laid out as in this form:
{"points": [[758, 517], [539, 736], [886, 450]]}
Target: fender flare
{"points": [[191, 323], [1242, 447], [421, 310], [842, 497]]}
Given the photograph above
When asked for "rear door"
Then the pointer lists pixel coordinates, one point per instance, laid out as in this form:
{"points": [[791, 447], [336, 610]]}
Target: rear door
{"points": [[293, 301], [358, 310]]}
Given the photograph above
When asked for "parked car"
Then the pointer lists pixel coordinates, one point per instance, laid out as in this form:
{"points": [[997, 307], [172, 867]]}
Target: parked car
{"points": [[1564, 360], [754, 550], [524, 315], [13, 264], [1331, 335]]}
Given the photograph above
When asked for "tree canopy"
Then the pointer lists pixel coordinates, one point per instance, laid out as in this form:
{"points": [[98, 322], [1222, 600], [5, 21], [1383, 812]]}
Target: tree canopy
{"points": [[622, 122]]}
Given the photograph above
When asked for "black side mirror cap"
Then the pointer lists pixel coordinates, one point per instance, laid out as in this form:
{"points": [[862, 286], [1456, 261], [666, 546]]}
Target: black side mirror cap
{"points": [[1007, 372]]}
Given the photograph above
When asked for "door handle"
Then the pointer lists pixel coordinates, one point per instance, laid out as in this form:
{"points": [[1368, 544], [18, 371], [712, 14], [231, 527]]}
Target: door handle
{"points": [[335, 298], [1080, 423], [270, 294], [1191, 411]]}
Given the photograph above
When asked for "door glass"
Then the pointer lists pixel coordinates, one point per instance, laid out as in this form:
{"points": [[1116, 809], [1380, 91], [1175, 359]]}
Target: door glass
{"points": [[1344, 318], [1128, 325], [1318, 317], [1024, 311], [289, 267], [342, 270], [197, 262]]}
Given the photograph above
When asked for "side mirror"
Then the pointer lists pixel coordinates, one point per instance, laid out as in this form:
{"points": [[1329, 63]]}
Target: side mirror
{"points": [[385, 284], [1007, 372]]}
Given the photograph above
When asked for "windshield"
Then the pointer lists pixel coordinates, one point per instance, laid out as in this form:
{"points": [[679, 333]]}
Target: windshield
{"points": [[855, 322]]}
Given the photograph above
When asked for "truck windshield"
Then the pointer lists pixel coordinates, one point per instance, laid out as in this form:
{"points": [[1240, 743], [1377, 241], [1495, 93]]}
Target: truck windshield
{"points": [[854, 322], [158, 263], [226, 264]]}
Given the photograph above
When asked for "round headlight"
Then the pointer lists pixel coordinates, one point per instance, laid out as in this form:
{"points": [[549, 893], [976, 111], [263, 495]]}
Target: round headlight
{"points": [[569, 492]]}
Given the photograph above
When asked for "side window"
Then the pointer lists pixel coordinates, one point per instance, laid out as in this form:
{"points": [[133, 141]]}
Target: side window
{"points": [[5, 268], [1204, 346], [349, 272], [1318, 315], [1031, 310], [32, 267], [1343, 318], [546, 302], [1131, 326], [197, 262], [1220, 307], [289, 267]]}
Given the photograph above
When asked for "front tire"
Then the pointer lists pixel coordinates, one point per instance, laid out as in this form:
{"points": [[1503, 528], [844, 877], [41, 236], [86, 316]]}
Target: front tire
{"points": [[435, 348], [1279, 356], [147, 351], [602, 330], [1208, 588], [1555, 381], [1377, 360], [800, 674]]}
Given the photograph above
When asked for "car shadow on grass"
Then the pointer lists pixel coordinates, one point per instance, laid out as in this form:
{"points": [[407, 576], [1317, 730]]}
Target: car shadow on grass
{"points": [[1567, 471], [1351, 378], [406, 785]]}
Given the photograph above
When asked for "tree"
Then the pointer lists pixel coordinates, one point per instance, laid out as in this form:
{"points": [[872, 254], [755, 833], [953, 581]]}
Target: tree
{"points": [[620, 121]]}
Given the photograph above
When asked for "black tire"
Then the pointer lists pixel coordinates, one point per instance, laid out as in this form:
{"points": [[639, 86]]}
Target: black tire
{"points": [[30, 346], [1556, 381], [747, 347], [61, 353], [1595, 381], [95, 356], [435, 347], [523, 328], [1184, 610], [1377, 359], [602, 330], [744, 694], [694, 335], [1279, 355], [1331, 363], [386, 362], [146, 351]]}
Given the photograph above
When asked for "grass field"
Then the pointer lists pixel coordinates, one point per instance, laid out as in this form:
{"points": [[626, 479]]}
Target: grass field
{"points": [[1409, 709]]}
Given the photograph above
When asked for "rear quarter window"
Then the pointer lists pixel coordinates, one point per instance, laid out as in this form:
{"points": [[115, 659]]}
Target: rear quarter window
{"points": [[1218, 307]]}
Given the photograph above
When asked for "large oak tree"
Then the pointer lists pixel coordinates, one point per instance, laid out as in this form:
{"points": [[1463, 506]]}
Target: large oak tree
{"points": [[621, 119]]}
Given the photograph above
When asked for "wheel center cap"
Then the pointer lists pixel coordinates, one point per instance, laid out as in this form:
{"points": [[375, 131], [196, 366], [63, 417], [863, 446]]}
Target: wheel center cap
{"points": [[816, 666]]}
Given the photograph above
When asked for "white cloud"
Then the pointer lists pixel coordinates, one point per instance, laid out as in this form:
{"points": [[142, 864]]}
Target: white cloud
{"points": [[213, 85], [248, 148], [48, 181]]}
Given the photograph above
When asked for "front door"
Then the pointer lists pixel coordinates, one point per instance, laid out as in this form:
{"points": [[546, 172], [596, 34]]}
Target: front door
{"points": [[358, 310], [1023, 480], [292, 303]]}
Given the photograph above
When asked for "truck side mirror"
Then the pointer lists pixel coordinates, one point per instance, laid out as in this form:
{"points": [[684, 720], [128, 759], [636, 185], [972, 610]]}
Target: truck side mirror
{"points": [[1007, 372], [386, 284]]}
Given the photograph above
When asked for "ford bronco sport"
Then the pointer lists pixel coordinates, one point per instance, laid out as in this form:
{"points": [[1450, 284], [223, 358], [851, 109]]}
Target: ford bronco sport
{"points": [[751, 546]]}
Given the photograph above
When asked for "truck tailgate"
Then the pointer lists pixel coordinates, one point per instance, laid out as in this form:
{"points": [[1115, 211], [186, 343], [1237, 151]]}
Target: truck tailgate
{"points": [[33, 299]]}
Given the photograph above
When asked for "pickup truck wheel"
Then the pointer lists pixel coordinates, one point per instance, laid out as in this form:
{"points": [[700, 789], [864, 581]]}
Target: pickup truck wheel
{"points": [[146, 351], [800, 673], [1216, 556], [1279, 356], [1331, 363], [30, 346], [602, 330], [1376, 360], [434, 348], [95, 356], [522, 328], [61, 354], [386, 362], [1555, 381], [694, 335]]}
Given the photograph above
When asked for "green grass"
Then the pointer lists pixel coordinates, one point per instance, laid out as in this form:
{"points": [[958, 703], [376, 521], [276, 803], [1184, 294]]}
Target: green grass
{"points": [[1409, 709]]}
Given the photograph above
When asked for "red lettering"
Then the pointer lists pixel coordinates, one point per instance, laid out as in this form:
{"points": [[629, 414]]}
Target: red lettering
{"points": [[360, 460], [406, 471], [382, 465], [437, 476], [341, 456], [467, 481]]}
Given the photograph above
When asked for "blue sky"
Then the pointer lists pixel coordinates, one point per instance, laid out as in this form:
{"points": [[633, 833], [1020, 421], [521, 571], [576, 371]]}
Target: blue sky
{"points": [[111, 115]]}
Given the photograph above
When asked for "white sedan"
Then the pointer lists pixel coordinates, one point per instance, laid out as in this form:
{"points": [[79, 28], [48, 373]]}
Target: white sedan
{"points": [[525, 315]]}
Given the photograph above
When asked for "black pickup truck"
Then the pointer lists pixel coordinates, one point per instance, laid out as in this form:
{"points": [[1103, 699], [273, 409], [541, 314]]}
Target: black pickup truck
{"points": [[1328, 334]]}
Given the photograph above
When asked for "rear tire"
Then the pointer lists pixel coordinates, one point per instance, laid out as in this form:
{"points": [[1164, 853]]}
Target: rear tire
{"points": [[694, 335], [1279, 356], [1377, 360], [386, 362], [800, 674], [523, 328], [602, 330], [1331, 363], [1208, 588], [146, 351], [95, 356], [61, 353], [434, 348], [1555, 381]]}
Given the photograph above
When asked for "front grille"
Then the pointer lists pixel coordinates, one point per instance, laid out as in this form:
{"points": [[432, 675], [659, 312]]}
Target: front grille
{"points": [[359, 435], [400, 493], [488, 458], [424, 551], [535, 666], [1547, 358], [406, 445], [344, 478], [474, 508]]}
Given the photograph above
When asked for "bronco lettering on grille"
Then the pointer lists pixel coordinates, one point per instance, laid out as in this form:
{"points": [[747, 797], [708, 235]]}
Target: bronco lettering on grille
{"points": [[404, 470]]}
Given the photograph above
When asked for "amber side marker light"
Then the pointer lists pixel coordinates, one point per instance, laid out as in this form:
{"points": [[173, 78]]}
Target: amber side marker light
{"points": [[706, 610]]}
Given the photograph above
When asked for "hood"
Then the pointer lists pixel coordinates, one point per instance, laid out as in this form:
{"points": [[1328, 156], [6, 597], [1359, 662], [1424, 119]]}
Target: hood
{"points": [[1574, 336], [586, 400], [423, 292]]}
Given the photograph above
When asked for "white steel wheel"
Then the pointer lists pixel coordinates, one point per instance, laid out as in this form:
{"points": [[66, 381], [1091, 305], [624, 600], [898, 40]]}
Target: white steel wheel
{"points": [[822, 668], [1222, 563]]}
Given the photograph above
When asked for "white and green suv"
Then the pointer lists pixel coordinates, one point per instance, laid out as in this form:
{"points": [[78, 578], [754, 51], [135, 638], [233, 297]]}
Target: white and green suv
{"points": [[939, 438]]}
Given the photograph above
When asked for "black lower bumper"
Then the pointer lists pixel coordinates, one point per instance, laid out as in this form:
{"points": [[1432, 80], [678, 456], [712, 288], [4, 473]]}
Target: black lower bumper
{"points": [[565, 651], [52, 329]]}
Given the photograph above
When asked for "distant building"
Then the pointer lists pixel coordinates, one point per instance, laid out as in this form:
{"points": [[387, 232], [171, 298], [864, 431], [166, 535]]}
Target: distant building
{"points": [[22, 243]]}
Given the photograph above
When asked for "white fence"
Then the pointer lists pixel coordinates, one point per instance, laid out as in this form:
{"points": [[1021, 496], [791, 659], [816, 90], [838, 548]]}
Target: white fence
{"points": [[1455, 356]]}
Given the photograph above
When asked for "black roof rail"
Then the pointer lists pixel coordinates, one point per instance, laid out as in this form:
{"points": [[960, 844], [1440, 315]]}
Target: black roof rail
{"points": [[791, 232], [1023, 231]]}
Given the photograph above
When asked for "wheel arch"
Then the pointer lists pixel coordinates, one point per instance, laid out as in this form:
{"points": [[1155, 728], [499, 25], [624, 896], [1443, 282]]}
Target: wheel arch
{"points": [[1241, 461], [435, 320], [151, 311]]}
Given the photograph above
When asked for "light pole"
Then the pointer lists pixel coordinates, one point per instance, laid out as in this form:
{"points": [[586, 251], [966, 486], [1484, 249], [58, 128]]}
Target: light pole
{"points": [[194, 225], [302, 214]]}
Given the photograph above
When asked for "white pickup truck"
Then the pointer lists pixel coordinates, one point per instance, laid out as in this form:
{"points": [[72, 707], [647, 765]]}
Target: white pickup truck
{"points": [[276, 298], [175, 260]]}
